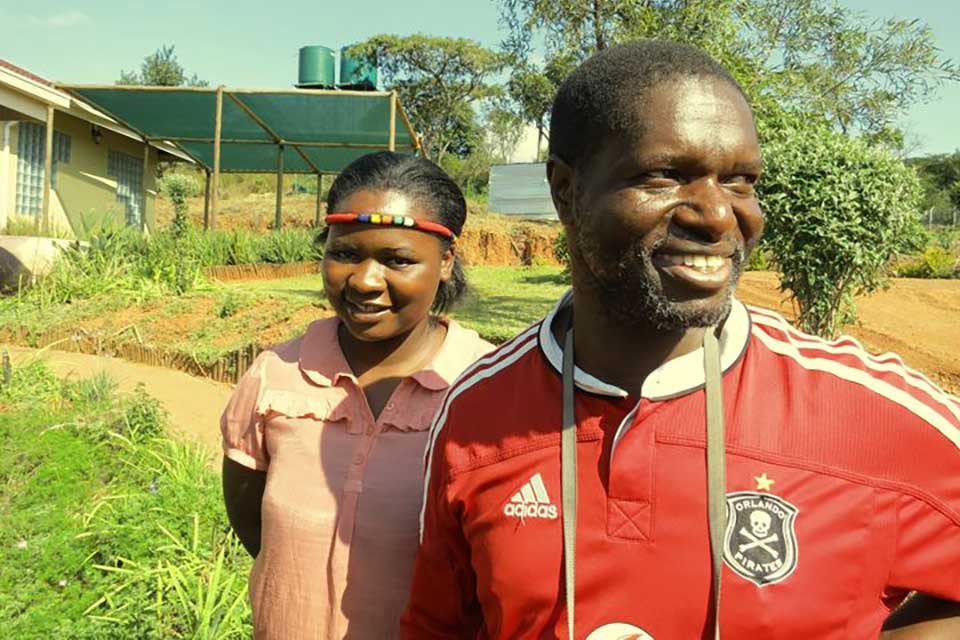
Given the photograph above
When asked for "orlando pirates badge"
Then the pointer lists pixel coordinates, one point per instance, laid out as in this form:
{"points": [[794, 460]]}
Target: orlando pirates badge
{"points": [[760, 543]]}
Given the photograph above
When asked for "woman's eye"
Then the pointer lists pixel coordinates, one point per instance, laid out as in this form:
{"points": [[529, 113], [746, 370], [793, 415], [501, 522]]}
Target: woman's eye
{"points": [[341, 255], [397, 261]]}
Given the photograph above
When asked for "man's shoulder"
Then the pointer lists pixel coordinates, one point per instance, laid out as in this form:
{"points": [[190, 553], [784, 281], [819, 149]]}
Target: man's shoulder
{"points": [[843, 370], [500, 402], [849, 409]]}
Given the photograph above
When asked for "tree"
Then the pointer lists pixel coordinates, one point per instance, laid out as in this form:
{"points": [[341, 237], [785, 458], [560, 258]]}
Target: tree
{"points": [[504, 130], [812, 55], [532, 90], [837, 211], [440, 81], [161, 69], [940, 176]]}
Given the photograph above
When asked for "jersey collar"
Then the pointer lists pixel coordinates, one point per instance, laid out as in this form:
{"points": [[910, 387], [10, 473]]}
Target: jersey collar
{"points": [[676, 377]]}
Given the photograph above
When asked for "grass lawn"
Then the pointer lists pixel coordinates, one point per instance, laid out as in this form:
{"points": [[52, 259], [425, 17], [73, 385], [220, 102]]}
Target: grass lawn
{"points": [[212, 322], [501, 303], [504, 301], [108, 528]]}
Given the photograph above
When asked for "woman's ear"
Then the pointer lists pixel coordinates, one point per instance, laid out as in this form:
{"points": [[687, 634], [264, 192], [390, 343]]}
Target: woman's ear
{"points": [[446, 262]]}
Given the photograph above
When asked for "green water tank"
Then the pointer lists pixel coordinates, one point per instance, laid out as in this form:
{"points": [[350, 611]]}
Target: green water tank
{"points": [[316, 68], [357, 72]]}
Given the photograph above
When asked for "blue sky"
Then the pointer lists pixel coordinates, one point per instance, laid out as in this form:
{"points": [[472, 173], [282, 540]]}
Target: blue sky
{"points": [[254, 44]]}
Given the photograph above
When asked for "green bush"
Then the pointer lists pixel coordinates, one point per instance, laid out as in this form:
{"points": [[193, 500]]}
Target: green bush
{"points": [[837, 211], [179, 185], [935, 262], [760, 259], [122, 262], [110, 528]]}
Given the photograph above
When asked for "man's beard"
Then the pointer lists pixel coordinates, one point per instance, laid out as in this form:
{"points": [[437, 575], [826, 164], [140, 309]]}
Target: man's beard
{"points": [[633, 293]]}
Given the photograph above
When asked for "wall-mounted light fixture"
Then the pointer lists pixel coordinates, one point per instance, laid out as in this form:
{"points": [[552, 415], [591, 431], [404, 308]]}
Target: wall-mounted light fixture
{"points": [[96, 133]]}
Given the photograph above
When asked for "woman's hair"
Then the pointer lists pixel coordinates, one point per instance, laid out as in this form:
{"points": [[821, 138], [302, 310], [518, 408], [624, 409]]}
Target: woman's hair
{"points": [[422, 182]]}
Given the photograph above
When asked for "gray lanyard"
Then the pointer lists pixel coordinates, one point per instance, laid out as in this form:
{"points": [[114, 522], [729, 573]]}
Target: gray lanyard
{"points": [[716, 474]]}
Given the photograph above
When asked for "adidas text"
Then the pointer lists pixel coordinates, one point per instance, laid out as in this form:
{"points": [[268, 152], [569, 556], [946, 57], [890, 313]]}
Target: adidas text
{"points": [[548, 511]]}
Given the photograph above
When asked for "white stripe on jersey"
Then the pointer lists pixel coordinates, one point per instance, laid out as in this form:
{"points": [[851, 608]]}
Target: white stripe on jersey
{"points": [[499, 360], [863, 378], [883, 363]]}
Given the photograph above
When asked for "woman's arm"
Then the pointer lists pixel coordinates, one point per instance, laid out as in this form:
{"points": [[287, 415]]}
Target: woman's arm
{"points": [[243, 494]]}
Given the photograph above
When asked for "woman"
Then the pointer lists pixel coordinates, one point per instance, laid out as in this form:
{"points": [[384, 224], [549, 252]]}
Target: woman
{"points": [[324, 435]]}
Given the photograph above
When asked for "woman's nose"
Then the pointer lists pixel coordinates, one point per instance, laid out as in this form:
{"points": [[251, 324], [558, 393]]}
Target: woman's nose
{"points": [[368, 276]]}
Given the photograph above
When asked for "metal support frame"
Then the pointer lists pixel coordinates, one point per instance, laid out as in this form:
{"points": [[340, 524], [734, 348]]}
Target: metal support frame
{"points": [[392, 134], [206, 198], [316, 220], [146, 166], [278, 219], [215, 186]]}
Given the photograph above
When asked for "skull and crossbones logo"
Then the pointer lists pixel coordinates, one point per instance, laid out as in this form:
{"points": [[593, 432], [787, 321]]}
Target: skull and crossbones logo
{"points": [[759, 533], [760, 540]]}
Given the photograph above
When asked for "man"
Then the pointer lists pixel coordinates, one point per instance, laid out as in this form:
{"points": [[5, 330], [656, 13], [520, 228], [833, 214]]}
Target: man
{"points": [[833, 491]]}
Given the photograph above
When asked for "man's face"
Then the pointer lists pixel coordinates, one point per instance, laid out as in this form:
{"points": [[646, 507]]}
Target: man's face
{"points": [[662, 224]]}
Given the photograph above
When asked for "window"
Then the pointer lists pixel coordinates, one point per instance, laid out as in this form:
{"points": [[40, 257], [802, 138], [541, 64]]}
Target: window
{"points": [[30, 156], [129, 174]]}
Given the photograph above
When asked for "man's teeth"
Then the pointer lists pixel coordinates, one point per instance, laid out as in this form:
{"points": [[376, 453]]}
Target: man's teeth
{"points": [[697, 261]]}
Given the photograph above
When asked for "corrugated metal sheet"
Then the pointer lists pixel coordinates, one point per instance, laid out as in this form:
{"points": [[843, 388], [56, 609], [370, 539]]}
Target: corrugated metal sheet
{"points": [[521, 189]]}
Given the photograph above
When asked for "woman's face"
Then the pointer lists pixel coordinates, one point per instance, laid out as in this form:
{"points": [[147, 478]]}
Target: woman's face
{"points": [[382, 280]]}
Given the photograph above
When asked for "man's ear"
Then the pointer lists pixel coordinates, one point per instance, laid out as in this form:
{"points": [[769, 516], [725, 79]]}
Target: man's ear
{"points": [[560, 176]]}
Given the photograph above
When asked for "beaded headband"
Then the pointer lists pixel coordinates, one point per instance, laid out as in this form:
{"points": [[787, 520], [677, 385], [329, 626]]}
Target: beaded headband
{"points": [[390, 220]]}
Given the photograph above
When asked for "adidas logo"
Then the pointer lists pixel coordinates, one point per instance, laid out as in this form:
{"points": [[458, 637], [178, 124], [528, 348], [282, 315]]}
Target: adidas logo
{"points": [[531, 501]]}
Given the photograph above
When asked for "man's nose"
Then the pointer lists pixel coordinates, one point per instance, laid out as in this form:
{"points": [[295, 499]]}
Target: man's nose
{"points": [[709, 210], [367, 277]]}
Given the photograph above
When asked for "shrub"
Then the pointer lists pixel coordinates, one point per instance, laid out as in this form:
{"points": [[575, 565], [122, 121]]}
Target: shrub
{"points": [[178, 185], [111, 529], [837, 211], [935, 262]]}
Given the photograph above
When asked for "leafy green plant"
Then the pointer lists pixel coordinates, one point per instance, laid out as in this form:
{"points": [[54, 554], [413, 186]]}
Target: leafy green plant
{"points": [[229, 305], [115, 530], [837, 211], [934, 262], [178, 187], [759, 260]]}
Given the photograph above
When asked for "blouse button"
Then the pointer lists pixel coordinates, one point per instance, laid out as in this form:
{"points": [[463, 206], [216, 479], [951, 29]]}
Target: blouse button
{"points": [[358, 459], [390, 406], [370, 430]]}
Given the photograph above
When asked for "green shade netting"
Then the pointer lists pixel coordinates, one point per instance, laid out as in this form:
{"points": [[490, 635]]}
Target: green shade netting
{"points": [[297, 117]]}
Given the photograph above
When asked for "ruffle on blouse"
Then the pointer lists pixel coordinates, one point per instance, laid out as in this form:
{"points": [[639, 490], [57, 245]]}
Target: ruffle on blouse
{"points": [[332, 406], [412, 420], [327, 407]]}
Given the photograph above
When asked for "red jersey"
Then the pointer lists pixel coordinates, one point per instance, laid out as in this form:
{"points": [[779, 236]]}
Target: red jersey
{"points": [[842, 495]]}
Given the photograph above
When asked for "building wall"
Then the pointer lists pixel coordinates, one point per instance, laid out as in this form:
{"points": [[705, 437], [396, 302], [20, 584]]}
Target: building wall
{"points": [[83, 193]]}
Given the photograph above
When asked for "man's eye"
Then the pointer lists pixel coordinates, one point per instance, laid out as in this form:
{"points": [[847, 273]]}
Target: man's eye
{"points": [[741, 178], [659, 178]]}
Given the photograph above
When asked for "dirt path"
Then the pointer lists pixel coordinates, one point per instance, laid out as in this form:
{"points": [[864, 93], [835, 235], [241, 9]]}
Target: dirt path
{"points": [[917, 319], [194, 404]]}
